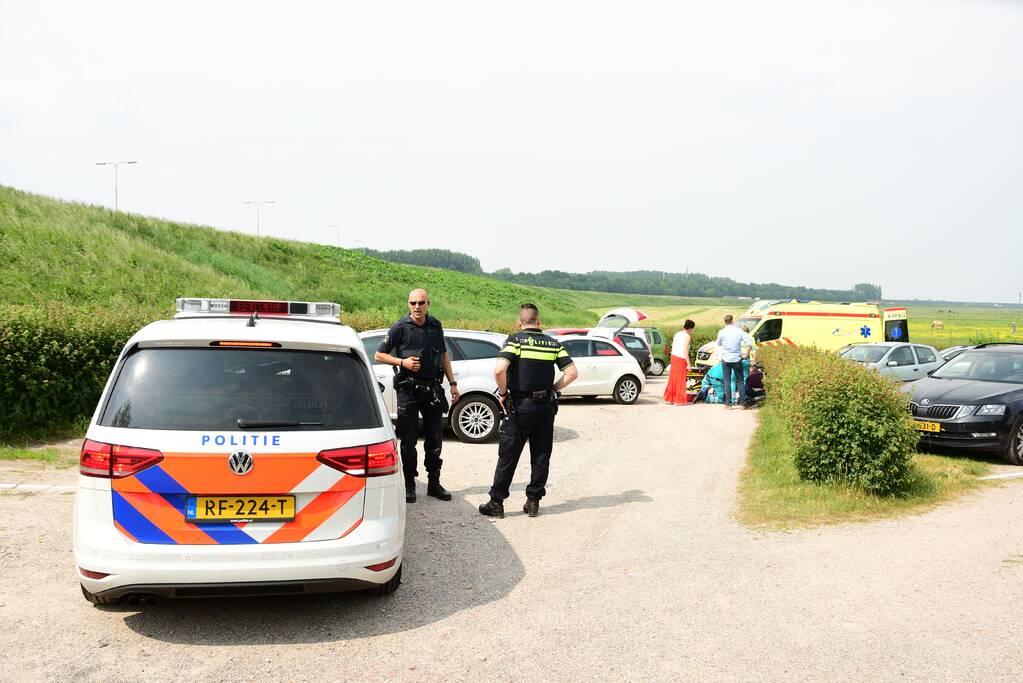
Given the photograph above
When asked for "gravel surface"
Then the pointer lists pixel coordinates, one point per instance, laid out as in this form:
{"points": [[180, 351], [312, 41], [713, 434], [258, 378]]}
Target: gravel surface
{"points": [[634, 570]]}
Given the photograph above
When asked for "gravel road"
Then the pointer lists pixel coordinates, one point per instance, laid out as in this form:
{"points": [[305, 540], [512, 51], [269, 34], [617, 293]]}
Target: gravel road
{"points": [[634, 570]]}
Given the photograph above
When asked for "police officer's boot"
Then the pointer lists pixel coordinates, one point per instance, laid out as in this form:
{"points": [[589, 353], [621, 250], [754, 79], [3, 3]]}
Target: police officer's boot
{"points": [[410, 491], [532, 507], [433, 487], [493, 508]]}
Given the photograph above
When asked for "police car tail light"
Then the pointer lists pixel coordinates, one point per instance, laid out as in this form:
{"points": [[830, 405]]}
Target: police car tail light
{"points": [[114, 462], [376, 460], [381, 459]]}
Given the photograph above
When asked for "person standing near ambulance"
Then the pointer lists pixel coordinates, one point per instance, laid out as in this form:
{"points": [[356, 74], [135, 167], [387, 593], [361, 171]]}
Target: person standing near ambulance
{"points": [[415, 345], [528, 395], [731, 339]]}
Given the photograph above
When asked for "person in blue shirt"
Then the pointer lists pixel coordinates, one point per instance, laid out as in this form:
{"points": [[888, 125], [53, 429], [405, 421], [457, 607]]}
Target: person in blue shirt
{"points": [[730, 340]]}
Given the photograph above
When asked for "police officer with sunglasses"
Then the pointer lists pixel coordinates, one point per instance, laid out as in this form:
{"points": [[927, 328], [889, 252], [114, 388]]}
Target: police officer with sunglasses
{"points": [[415, 347]]}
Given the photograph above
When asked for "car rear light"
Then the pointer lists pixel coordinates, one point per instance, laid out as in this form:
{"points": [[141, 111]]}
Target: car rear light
{"points": [[95, 459], [114, 462], [375, 460], [382, 566], [381, 459], [89, 574]]}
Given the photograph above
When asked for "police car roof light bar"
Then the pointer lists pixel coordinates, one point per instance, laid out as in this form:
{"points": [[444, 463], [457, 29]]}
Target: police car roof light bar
{"points": [[247, 307]]}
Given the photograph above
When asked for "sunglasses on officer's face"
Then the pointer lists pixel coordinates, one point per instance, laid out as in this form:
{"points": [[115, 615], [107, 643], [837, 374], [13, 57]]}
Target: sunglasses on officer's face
{"points": [[418, 303]]}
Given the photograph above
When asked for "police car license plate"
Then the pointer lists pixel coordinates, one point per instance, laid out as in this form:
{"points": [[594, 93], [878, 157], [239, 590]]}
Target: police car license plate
{"points": [[927, 426], [240, 508]]}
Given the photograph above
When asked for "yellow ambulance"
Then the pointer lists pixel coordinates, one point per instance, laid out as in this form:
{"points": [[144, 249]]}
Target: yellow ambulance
{"points": [[828, 326]]}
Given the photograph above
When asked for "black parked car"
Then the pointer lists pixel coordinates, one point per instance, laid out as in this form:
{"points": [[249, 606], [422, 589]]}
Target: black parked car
{"points": [[974, 401]]}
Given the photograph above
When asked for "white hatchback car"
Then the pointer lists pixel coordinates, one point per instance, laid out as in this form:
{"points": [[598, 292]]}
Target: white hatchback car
{"points": [[899, 360], [473, 354], [239, 449], [605, 369]]}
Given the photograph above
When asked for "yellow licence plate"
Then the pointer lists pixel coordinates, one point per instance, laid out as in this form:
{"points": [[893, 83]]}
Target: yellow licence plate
{"points": [[927, 426], [240, 508]]}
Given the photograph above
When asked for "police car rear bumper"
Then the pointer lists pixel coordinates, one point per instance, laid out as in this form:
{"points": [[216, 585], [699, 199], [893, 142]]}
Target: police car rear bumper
{"points": [[249, 589], [174, 570]]}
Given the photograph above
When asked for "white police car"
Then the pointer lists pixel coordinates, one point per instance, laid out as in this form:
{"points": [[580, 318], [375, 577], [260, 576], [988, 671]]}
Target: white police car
{"points": [[240, 449]]}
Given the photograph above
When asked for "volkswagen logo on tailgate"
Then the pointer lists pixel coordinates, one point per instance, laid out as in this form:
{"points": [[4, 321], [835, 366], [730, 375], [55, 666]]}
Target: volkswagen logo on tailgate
{"points": [[240, 462]]}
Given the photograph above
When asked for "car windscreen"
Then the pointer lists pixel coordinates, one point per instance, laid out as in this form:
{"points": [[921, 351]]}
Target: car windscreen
{"points": [[750, 323], [983, 366], [865, 353], [214, 388]]}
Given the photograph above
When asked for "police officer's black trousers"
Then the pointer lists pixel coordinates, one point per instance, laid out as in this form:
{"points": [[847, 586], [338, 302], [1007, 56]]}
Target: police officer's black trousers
{"points": [[410, 407], [532, 423]]}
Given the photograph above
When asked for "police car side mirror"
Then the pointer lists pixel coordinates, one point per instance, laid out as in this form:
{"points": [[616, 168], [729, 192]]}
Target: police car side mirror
{"points": [[381, 385]]}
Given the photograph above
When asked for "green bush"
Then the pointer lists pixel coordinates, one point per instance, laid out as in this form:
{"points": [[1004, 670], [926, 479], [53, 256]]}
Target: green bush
{"points": [[54, 362], [848, 424]]}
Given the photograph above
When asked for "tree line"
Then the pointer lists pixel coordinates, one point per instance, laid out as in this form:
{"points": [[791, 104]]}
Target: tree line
{"points": [[435, 258], [631, 282]]}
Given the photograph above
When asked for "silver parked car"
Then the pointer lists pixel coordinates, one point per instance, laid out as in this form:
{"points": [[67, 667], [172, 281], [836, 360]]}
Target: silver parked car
{"points": [[475, 418], [898, 360]]}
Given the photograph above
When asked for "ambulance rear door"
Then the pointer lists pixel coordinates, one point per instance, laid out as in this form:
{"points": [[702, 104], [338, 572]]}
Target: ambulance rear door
{"points": [[896, 325]]}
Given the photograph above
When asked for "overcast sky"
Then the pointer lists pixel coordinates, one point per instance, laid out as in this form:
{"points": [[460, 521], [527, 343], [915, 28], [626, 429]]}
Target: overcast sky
{"points": [[815, 143]]}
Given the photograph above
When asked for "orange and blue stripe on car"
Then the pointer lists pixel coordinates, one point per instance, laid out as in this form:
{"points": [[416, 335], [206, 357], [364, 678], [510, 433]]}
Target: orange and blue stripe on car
{"points": [[150, 506]]}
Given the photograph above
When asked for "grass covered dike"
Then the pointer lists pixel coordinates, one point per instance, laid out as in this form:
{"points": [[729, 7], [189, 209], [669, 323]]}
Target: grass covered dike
{"points": [[836, 444]]}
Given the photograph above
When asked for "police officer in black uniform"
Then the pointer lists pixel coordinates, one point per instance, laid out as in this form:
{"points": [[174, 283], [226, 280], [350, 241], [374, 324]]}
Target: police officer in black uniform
{"points": [[415, 344], [528, 395]]}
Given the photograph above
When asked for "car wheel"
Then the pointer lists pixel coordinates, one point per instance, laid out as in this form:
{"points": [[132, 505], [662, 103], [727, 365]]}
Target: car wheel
{"points": [[474, 419], [657, 368], [389, 587], [626, 390], [97, 599], [1014, 451]]}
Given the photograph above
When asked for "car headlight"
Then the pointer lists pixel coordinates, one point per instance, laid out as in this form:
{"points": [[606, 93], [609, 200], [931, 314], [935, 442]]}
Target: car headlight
{"points": [[965, 410], [993, 409]]}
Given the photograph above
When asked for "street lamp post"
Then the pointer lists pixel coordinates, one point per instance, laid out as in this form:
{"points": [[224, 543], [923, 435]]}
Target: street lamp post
{"points": [[115, 164], [258, 205]]}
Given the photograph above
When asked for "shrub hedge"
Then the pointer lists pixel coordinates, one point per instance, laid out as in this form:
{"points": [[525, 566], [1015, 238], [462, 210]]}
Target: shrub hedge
{"points": [[848, 424], [54, 362]]}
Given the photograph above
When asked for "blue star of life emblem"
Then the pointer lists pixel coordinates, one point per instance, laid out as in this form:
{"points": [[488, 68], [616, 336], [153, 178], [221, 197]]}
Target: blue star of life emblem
{"points": [[865, 331], [896, 333]]}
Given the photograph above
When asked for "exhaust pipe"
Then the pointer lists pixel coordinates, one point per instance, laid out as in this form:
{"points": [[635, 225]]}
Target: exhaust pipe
{"points": [[136, 600]]}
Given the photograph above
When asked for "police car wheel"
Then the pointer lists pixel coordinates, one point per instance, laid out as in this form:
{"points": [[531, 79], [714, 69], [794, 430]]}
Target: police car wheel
{"points": [[389, 587], [97, 599], [475, 419], [626, 390], [657, 368]]}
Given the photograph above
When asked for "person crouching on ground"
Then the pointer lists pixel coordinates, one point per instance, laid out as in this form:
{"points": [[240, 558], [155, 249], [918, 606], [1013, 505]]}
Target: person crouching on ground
{"points": [[754, 386], [675, 393]]}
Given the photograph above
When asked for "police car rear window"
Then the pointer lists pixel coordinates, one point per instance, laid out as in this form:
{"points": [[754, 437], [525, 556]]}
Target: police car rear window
{"points": [[207, 389]]}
